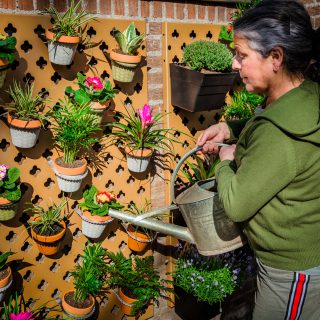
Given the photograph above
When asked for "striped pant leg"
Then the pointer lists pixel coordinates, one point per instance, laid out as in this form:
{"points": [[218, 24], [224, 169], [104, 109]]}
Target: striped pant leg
{"points": [[286, 295]]}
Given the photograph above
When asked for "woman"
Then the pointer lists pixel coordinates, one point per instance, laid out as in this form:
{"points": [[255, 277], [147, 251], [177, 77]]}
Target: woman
{"points": [[270, 180]]}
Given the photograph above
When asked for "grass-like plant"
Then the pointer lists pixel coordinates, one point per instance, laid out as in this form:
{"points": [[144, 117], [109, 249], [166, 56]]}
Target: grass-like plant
{"points": [[3, 258], [10, 183], [26, 106], [72, 126], [137, 276], [128, 40], [69, 23], [7, 47], [46, 219], [208, 55], [243, 105]]}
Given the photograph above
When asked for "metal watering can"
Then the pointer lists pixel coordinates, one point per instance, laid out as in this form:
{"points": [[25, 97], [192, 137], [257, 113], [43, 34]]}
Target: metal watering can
{"points": [[208, 226]]}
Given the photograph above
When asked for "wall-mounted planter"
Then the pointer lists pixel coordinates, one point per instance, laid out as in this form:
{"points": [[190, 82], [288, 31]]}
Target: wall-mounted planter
{"points": [[93, 226], [123, 66], [138, 160], [5, 282], [24, 134], [4, 65], [7, 209], [99, 108], [138, 241], [125, 303], [197, 91], [62, 50]]}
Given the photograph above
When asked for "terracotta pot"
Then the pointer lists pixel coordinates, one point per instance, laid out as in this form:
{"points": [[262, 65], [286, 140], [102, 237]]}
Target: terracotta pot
{"points": [[30, 124], [6, 280], [137, 240], [70, 171], [138, 160], [98, 107], [95, 225], [64, 39], [7, 209], [123, 307], [49, 245], [126, 58], [73, 311], [3, 63], [4, 201]]}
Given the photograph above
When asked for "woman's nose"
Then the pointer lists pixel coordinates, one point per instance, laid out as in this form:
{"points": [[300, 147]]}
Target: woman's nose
{"points": [[236, 66]]}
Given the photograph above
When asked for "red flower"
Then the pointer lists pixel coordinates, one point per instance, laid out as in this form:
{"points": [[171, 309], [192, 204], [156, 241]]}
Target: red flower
{"points": [[230, 28], [103, 197]]}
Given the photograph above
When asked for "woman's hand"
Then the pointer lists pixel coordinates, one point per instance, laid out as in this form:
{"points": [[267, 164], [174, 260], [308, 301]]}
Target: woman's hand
{"points": [[227, 153], [216, 133]]}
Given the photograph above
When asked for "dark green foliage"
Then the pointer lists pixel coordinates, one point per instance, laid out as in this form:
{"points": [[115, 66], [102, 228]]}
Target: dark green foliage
{"points": [[138, 276], [207, 55], [242, 7], [10, 185], [4, 257], [7, 48]]}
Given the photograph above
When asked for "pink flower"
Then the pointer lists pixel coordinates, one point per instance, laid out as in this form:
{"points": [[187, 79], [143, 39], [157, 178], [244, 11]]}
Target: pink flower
{"points": [[2, 175], [145, 115], [21, 316], [3, 168], [93, 83]]}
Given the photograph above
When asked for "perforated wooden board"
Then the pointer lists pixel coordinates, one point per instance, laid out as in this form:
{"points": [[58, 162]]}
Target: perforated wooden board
{"points": [[44, 278]]}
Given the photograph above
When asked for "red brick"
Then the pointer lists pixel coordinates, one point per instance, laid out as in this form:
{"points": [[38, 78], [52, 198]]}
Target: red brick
{"points": [[44, 4], [155, 94], [230, 13], [90, 6], [105, 7], [211, 13], [157, 9], [119, 7], [154, 62], [221, 11], [155, 78], [191, 11], [169, 9], [145, 8], [133, 8], [180, 10], [60, 5], [8, 4], [153, 45], [201, 11], [155, 28], [26, 5]]}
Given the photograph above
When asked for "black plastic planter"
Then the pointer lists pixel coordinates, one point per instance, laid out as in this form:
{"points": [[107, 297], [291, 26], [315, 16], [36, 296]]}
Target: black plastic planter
{"points": [[196, 91]]}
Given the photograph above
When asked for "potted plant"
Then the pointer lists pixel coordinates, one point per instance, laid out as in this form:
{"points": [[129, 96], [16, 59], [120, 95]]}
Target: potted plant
{"points": [[137, 281], [139, 238], [95, 210], [48, 227], [202, 283], [7, 55], [125, 59], [204, 77], [243, 105], [5, 273], [72, 126], [66, 32], [25, 116], [88, 280], [140, 134], [10, 192], [93, 91]]}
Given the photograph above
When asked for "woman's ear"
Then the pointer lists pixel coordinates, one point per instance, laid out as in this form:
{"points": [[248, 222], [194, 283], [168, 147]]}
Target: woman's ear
{"points": [[277, 58]]}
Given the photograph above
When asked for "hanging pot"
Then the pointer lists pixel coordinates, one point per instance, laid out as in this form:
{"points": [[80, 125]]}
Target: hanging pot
{"points": [[24, 134], [4, 66], [138, 160], [138, 241], [123, 66], [94, 226], [5, 283], [69, 178], [125, 302], [99, 108], [74, 312], [8, 209], [49, 245], [62, 50]]}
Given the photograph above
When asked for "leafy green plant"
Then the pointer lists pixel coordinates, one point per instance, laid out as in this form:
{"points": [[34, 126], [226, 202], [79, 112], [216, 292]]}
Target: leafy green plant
{"points": [[137, 276], [128, 40], [7, 47], [92, 89], [88, 278], [25, 105], [46, 219], [243, 105], [212, 278], [10, 183], [140, 131], [207, 55], [242, 7], [98, 202], [226, 35], [69, 23], [3, 258], [72, 126]]}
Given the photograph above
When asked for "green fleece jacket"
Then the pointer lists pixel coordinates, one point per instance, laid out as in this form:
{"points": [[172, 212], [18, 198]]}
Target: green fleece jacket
{"points": [[273, 185]]}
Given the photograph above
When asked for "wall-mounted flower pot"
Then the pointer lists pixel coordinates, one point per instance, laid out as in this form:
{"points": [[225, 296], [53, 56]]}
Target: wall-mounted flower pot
{"points": [[125, 302], [24, 134], [138, 241], [5, 281], [123, 66], [8, 209], [3, 71], [49, 245], [93, 226], [62, 50], [138, 160], [70, 178], [99, 108], [198, 91]]}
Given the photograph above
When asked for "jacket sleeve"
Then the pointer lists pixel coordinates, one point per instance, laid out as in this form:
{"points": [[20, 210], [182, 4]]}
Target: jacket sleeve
{"points": [[266, 166], [236, 127]]}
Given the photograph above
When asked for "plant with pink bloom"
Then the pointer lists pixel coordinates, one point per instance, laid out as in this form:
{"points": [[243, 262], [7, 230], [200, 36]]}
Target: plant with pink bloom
{"points": [[92, 89], [142, 130], [21, 316]]}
